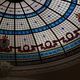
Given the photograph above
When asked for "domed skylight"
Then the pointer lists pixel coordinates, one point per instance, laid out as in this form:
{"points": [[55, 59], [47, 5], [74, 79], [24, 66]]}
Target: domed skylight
{"points": [[38, 31]]}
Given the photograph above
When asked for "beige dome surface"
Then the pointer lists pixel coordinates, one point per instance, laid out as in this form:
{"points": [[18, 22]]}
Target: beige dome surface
{"points": [[36, 34]]}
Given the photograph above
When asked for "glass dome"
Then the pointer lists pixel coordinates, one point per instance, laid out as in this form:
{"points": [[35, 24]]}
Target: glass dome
{"points": [[39, 31]]}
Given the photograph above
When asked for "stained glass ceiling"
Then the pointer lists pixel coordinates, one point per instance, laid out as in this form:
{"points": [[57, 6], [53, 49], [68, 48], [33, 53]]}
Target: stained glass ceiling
{"points": [[38, 31]]}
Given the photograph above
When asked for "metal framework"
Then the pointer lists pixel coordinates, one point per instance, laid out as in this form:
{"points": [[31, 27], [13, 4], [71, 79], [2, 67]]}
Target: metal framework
{"points": [[30, 25]]}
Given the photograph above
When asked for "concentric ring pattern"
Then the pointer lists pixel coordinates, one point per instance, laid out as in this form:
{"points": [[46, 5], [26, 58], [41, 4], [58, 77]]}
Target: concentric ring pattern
{"points": [[38, 31]]}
